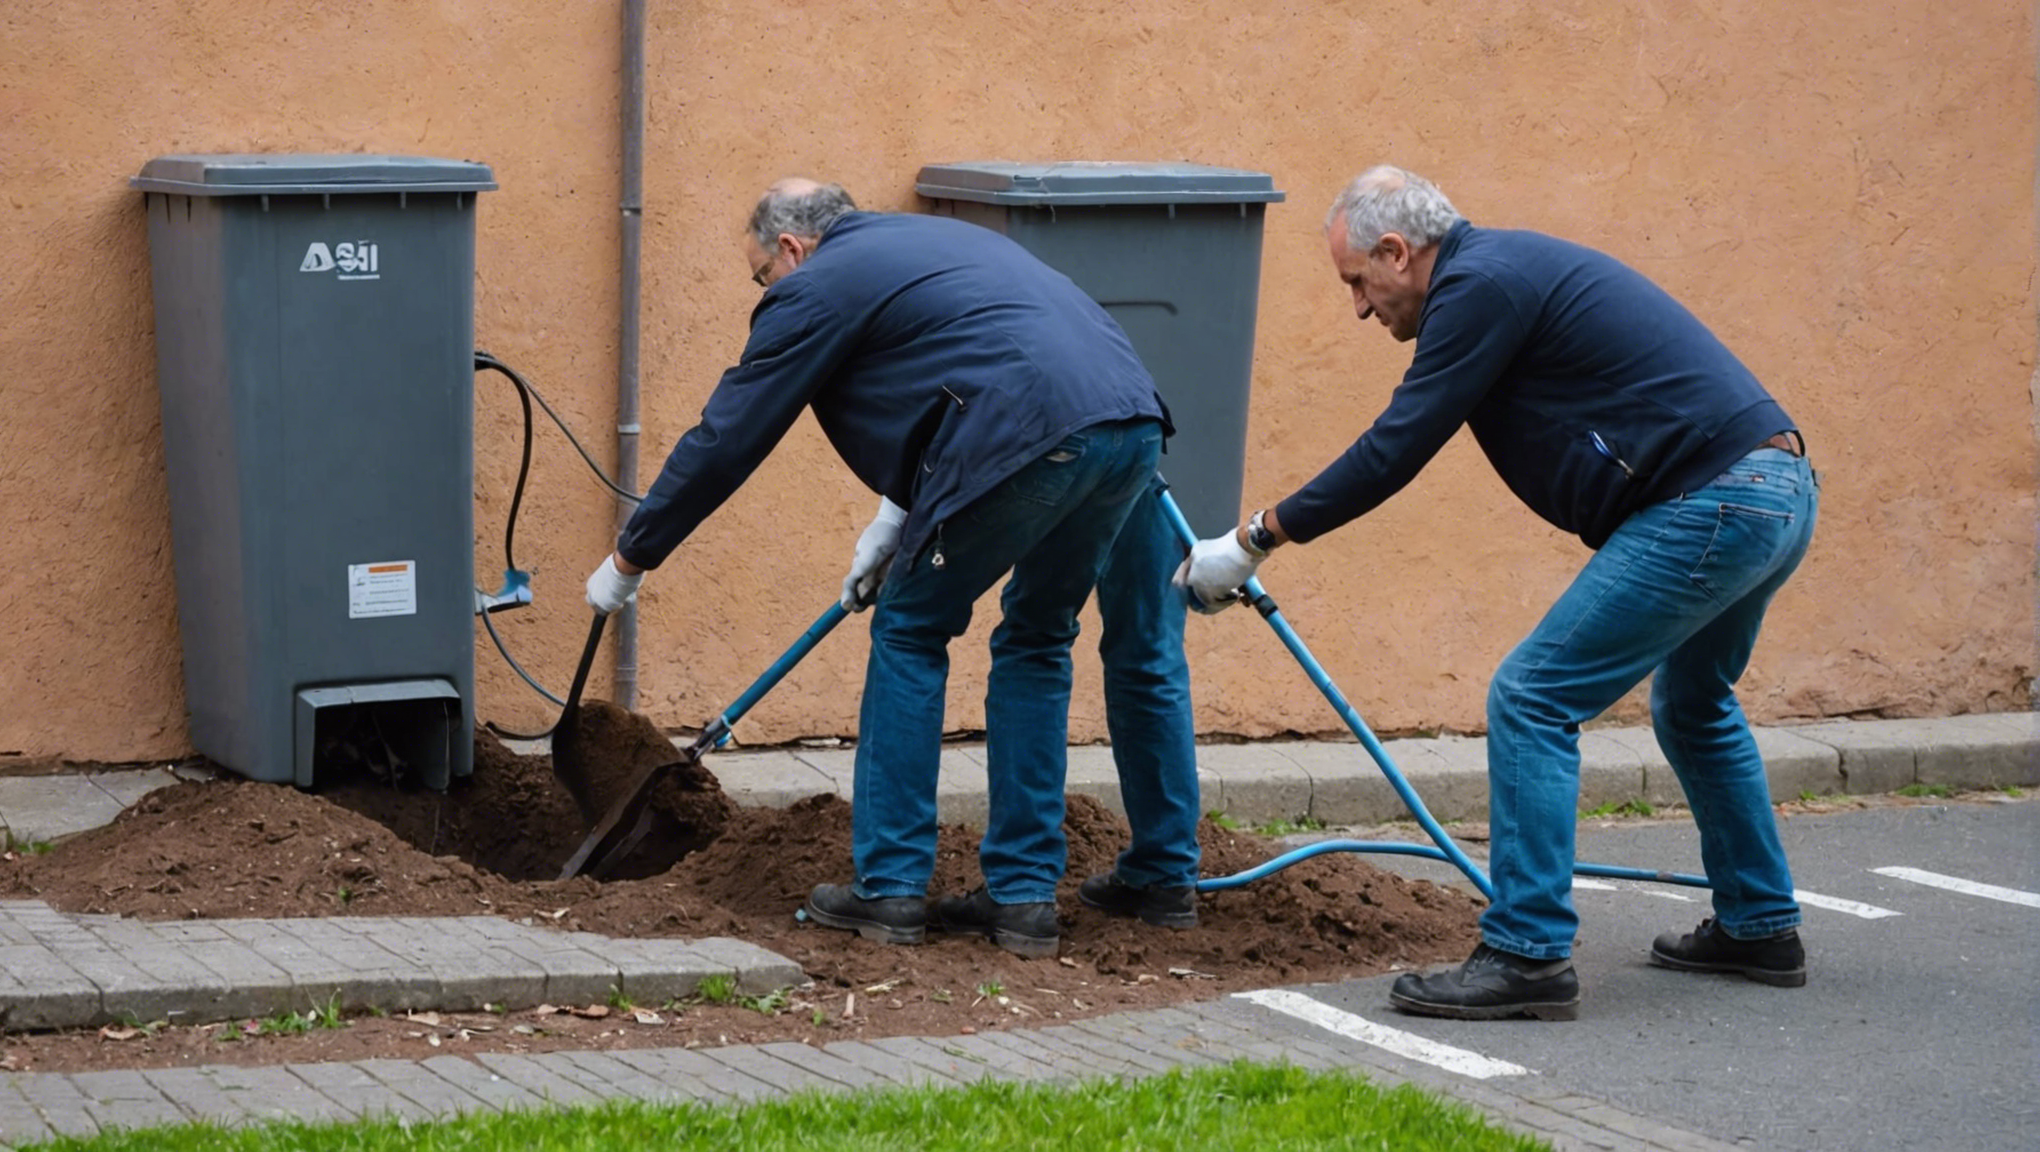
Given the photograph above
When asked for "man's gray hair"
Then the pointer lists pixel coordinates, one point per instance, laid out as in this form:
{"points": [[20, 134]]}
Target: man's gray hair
{"points": [[1387, 199], [798, 208]]}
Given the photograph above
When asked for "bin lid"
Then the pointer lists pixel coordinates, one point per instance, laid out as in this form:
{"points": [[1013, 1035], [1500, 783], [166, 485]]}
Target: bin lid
{"points": [[1095, 182], [242, 174]]}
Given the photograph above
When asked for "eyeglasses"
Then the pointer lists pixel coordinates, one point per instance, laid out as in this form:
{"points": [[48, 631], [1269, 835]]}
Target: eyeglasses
{"points": [[758, 273]]}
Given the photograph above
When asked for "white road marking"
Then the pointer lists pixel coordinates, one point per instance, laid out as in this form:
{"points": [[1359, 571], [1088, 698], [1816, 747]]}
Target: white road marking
{"points": [[1603, 885], [1405, 1044], [1965, 887], [1811, 899], [1837, 904]]}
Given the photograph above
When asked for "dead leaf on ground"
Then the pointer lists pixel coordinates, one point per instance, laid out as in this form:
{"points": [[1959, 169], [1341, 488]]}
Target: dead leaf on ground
{"points": [[591, 1012], [119, 1032]]}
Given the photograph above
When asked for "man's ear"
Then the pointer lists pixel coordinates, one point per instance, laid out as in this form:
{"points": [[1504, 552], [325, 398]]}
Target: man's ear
{"points": [[791, 247], [1395, 248]]}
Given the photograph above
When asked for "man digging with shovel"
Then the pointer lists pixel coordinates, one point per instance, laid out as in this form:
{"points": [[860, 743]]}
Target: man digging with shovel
{"points": [[1008, 427]]}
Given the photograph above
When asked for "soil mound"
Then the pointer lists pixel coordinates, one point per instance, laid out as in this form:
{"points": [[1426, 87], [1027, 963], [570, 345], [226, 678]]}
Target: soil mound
{"points": [[494, 844]]}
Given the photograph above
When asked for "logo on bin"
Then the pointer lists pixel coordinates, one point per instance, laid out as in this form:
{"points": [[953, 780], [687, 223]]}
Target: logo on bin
{"points": [[354, 259]]}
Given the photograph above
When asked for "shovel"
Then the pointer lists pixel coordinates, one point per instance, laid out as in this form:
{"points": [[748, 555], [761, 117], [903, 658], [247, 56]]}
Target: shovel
{"points": [[569, 763], [628, 820]]}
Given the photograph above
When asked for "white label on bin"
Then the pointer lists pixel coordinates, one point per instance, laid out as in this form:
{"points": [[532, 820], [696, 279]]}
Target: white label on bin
{"points": [[353, 259], [387, 588]]}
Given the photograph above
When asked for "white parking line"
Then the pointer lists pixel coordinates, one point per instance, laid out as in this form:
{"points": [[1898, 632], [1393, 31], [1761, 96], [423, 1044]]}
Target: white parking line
{"points": [[1837, 904], [1604, 886], [1966, 887], [1405, 1044]]}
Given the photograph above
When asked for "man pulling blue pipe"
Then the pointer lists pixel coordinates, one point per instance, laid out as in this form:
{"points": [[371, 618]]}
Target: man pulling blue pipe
{"points": [[1613, 413]]}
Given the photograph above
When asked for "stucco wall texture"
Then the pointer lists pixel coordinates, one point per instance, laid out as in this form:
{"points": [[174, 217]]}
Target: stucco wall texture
{"points": [[1843, 191]]}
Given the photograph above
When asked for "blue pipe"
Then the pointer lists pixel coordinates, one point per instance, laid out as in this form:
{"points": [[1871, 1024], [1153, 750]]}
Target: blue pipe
{"points": [[1446, 850]]}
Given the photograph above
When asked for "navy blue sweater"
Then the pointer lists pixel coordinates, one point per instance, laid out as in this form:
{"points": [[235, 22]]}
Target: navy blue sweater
{"points": [[1541, 346], [939, 357]]}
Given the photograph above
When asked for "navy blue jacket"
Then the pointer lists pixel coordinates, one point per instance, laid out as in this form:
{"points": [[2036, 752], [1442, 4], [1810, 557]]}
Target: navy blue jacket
{"points": [[939, 357], [1541, 347]]}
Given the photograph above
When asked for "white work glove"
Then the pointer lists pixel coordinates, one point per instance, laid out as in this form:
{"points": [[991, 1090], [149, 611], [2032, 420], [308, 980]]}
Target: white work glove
{"points": [[610, 589], [874, 556], [1210, 577]]}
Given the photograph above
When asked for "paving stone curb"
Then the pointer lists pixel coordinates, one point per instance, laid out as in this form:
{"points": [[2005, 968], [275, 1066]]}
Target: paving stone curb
{"points": [[1128, 1046], [1340, 783], [63, 971]]}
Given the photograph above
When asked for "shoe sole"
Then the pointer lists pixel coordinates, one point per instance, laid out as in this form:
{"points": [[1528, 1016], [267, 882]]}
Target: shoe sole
{"points": [[1177, 920], [1775, 977], [1018, 943], [1027, 947], [869, 929], [1549, 1010]]}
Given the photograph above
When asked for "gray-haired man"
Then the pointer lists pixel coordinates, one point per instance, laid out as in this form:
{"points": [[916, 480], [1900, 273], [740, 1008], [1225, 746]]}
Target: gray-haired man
{"points": [[1615, 415]]}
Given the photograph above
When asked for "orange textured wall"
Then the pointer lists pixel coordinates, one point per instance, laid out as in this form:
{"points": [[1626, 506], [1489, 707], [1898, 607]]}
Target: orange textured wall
{"points": [[1845, 192]]}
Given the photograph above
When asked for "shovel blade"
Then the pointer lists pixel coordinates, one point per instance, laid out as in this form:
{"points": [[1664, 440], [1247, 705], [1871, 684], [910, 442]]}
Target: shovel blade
{"points": [[624, 826]]}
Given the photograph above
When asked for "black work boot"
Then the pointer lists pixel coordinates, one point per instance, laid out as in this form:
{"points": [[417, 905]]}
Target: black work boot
{"points": [[1028, 930], [1778, 959], [887, 919], [1164, 907], [1491, 985]]}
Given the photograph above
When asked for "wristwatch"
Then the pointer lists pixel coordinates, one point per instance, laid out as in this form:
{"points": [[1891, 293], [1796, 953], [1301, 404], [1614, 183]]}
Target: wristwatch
{"points": [[1259, 539]]}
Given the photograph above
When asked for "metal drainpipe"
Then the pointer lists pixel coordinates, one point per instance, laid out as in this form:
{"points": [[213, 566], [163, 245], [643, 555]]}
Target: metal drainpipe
{"points": [[632, 213]]}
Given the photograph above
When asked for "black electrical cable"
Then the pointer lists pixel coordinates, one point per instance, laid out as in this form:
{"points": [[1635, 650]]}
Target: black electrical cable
{"points": [[484, 360], [519, 669], [525, 395]]}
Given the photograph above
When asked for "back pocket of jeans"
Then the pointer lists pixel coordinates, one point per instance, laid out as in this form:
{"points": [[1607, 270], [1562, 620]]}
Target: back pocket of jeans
{"points": [[1746, 543], [1047, 480]]}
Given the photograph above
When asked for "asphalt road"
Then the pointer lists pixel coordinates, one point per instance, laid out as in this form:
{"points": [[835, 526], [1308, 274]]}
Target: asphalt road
{"points": [[1919, 1030]]}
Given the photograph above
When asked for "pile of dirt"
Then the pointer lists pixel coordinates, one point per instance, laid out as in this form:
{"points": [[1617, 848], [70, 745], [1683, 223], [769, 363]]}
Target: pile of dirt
{"points": [[494, 844]]}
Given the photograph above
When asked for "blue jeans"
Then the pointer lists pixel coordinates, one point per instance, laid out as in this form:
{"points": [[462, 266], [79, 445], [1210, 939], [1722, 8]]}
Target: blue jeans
{"points": [[1679, 591], [1051, 525], [1147, 697]]}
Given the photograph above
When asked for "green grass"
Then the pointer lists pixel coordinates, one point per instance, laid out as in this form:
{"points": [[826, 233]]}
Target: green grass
{"points": [[1290, 827], [325, 1015], [770, 1004], [1222, 820], [1238, 1106], [1626, 808], [26, 847], [1919, 790]]}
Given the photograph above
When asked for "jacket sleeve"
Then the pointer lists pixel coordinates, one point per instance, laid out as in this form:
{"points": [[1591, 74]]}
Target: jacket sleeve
{"points": [[797, 345], [1471, 332]]}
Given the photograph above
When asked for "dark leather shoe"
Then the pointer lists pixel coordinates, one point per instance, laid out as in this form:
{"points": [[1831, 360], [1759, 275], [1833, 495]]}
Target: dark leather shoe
{"points": [[1164, 907], [1779, 959], [888, 919], [1029, 930], [1492, 985]]}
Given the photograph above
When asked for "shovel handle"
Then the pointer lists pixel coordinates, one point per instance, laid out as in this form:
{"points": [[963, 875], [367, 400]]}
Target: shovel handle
{"points": [[587, 661], [823, 625]]}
